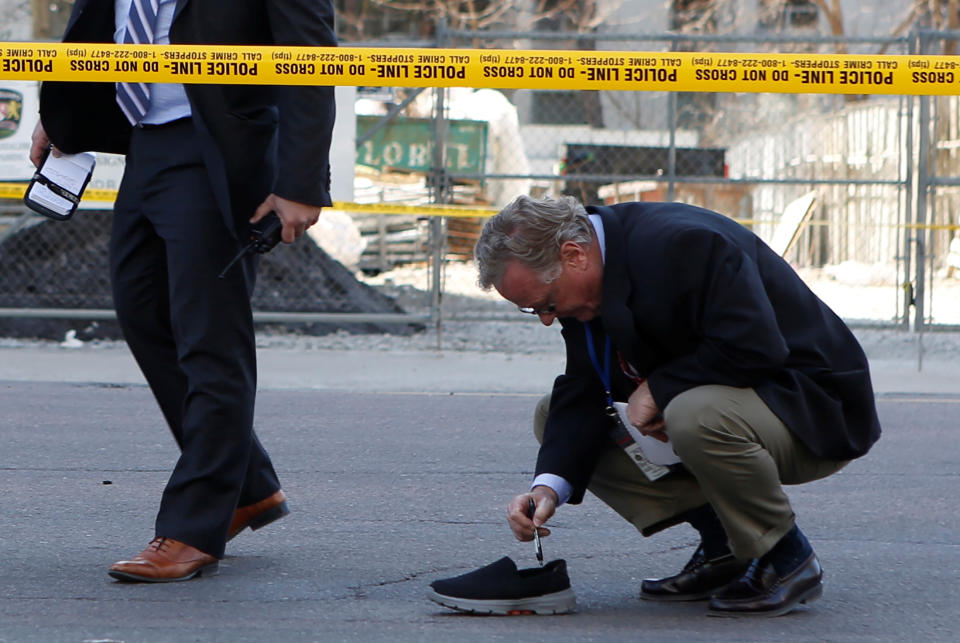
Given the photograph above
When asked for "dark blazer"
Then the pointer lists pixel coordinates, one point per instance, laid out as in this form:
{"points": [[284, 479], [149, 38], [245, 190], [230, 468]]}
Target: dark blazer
{"points": [[692, 298], [256, 139]]}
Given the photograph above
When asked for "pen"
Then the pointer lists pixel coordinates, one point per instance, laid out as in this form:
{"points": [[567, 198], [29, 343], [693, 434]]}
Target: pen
{"points": [[531, 509]]}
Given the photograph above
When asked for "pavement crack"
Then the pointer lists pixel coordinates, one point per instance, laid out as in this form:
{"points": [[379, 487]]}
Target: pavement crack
{"points": [[360, 591]]}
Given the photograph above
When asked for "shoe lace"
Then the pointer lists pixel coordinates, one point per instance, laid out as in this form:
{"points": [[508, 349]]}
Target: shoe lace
{"points": [[158, 544]]}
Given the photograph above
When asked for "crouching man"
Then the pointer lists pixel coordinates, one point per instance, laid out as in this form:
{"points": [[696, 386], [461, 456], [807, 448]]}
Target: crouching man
{"points": [[716, 345]]}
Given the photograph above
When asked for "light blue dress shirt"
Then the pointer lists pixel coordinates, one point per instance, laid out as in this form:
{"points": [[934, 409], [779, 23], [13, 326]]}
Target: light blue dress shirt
{"points": [[168, 101]]}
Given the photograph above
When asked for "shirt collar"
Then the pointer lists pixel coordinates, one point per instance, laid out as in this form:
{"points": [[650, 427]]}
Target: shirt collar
{"points": [[601, 239]]}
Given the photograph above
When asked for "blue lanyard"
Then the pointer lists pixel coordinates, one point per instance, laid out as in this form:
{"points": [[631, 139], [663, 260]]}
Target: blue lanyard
{"points": [[603, 370], [617, 429]]}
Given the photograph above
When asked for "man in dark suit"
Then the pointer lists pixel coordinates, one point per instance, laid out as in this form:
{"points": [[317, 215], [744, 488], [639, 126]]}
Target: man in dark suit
{"points": [[716, 345], [203, 162]]}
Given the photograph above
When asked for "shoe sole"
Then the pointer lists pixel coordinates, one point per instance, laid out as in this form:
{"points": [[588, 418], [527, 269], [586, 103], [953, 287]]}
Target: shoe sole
{"points": [[210, 570], [674, 598], [807, 597], [556, 603], [263, 519]]}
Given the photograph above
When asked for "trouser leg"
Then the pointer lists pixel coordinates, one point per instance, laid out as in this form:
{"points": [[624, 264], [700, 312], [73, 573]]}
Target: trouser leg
{"points": [[618, 482], [191, 333], [741, 453], [260, 480]]}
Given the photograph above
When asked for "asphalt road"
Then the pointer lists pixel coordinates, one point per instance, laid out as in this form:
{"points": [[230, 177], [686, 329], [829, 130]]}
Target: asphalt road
{"points": [[392, 490]]}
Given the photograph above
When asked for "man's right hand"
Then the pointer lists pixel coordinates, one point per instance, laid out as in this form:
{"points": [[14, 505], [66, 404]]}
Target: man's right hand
{"points": [[39, 144], [520, 523], [643, 414], [296, 217]]}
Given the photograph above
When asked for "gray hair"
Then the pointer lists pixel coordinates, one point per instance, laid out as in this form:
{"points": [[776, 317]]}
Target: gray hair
{"points": [[530, 231]]}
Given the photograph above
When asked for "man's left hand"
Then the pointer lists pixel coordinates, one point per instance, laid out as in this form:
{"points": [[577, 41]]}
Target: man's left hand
{"points": [[642, 412], [296, 217]]}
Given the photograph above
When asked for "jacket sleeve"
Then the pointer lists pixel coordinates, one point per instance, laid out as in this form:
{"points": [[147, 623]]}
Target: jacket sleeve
{"points": [[306, 113], [719, 304], [576, 430]]}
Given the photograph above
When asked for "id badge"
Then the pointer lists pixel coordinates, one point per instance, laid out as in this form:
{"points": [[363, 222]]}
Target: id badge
{"points": [[633, 450]]}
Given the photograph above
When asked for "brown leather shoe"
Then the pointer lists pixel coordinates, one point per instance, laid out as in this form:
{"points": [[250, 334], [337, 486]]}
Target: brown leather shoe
{"points": [[259, 514], [163, 561]]}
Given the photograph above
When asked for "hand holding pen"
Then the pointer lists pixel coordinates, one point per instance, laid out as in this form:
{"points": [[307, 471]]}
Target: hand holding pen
{"points": [[538, 548], [542, 502]]}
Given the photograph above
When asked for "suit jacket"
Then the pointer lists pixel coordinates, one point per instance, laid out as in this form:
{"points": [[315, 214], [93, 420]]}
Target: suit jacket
{"points": [[255, 139], [692, 298]]}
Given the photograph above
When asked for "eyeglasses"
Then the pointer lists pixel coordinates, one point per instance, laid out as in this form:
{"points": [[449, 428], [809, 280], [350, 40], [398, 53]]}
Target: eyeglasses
{"points": [[550, 309]]}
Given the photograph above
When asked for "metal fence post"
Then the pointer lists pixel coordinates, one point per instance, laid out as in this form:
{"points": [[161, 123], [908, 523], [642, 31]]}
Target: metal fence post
{"points": [[672, 151], [440, 193], [924, 184], [672, 146], [910, 211]]}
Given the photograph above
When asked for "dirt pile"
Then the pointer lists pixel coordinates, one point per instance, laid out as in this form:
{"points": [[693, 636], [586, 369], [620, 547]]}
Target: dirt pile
{"points": [[64, 265]]}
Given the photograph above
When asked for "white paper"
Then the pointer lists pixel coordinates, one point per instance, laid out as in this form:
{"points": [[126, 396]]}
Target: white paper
{"points": [[69, 171], [42, 195], [655, 451]]}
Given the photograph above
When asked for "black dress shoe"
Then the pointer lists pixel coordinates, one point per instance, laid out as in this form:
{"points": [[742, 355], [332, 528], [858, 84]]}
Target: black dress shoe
{"points": [[699, 579], [762, 592]]}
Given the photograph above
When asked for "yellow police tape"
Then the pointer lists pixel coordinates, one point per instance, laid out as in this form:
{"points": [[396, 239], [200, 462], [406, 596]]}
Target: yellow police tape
{"points": [[16, 191], [495, 68]]}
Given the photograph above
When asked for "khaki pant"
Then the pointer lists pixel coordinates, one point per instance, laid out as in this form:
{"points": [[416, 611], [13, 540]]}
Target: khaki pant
{"points": [[737, 454]]}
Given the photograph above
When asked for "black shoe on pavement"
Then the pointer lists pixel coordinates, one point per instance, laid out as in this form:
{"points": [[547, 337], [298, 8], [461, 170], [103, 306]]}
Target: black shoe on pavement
{"points": [[500, 588], [699, 578], [763, 592]]}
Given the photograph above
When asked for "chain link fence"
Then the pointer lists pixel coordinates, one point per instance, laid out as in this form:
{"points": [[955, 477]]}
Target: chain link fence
{"points": [[55, 279], [859, 193], [935, 235], [826, 179]]}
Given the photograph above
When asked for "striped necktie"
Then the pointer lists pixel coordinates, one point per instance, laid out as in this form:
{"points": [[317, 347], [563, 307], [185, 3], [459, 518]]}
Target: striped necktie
{"points": [[134, 98]]}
